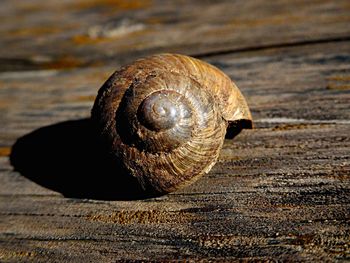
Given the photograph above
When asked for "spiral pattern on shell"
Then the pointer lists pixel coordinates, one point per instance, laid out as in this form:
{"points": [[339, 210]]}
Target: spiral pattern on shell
{"points": [[165, 118]]}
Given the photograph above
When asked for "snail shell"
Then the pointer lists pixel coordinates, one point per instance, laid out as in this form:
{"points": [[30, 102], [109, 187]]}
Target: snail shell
{"points": [[165, 118]]}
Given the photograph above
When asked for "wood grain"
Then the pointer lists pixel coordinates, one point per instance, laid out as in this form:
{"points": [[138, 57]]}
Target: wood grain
{"points": [[61, 34], [278, 192]]}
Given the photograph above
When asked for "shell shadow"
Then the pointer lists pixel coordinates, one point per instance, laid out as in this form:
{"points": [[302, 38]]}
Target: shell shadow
{"points": [[68, 157]]}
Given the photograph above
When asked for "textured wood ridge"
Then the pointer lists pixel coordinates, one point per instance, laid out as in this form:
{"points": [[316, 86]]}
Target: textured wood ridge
{"points": [[278, 192]]}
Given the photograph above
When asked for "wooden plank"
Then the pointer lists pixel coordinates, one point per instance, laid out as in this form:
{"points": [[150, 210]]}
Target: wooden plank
{"points": [[65, 34], [280, 191]]}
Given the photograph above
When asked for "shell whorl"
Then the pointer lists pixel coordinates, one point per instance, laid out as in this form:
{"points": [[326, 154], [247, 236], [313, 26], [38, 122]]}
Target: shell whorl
{"points": [[165, 118], [162, 110]]}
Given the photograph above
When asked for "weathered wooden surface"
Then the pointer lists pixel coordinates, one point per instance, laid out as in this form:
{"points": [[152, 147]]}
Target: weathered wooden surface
{"points": [[60, 34], [280, 191]]}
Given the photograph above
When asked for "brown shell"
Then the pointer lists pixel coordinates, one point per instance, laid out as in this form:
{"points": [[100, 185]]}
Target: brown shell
{"points": [[165, 118]]}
